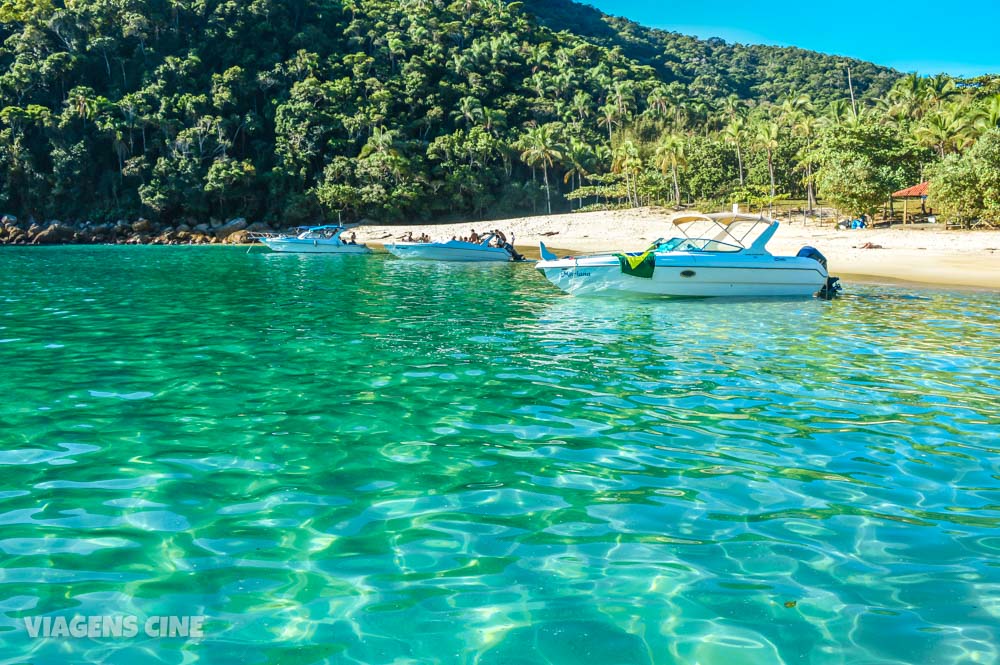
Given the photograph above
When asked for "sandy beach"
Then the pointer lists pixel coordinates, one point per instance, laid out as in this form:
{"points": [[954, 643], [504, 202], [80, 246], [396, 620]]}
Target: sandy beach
{"points": [[924, 253]]}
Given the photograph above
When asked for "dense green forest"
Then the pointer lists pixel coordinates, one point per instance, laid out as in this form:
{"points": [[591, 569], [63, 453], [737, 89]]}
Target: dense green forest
{"points": [[300, 110]]}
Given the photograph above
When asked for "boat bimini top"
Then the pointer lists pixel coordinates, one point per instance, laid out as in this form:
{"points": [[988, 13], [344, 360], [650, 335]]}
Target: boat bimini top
{"points": [[721, 232]]}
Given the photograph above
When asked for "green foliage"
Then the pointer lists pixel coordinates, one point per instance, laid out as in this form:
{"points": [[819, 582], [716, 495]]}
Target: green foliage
{"points": [[861, 163], [968, 187], [399, 110]]}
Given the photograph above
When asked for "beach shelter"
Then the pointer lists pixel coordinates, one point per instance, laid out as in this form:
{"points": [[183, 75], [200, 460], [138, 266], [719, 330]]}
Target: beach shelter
{"points": [[915, 192]]}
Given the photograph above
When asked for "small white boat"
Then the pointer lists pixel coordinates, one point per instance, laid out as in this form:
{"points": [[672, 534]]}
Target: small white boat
{"points": [[313, 240], [453, 250], [715, 255]]}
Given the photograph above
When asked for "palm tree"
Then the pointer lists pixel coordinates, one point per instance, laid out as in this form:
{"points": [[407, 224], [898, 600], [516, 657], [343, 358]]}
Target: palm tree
{"points": [[806, 126], [938, 88], [381, 141], [658, 101], [581, 104], [470, 109], [734, 133], [539, 149], [577, 155], [836, 114], [946, 127], [81, 100], [990, 115], [904, 100], [670, 155], [626, 160], [767, 137], [732, 106], [609, 117]]}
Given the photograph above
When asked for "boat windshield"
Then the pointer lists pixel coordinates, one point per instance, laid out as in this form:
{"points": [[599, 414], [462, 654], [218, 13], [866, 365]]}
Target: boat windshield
{"points": [[696, 245], [319, 234]]}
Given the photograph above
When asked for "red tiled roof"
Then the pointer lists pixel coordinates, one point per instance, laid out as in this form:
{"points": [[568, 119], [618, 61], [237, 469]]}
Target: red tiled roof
{"points": [[916, 190]]}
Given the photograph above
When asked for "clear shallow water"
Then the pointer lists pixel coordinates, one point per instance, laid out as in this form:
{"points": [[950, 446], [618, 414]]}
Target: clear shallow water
{"points": [[361, 460]]}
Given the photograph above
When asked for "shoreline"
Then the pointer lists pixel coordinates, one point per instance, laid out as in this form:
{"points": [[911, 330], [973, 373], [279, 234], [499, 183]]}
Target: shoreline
{"points": [[919, 254]]}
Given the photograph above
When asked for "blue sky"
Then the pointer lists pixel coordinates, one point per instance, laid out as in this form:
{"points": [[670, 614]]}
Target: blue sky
{"points": [[961, 37]]}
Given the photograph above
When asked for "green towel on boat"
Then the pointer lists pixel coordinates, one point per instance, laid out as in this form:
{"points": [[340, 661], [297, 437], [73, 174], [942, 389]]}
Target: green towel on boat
{"points": [[638, 265]]}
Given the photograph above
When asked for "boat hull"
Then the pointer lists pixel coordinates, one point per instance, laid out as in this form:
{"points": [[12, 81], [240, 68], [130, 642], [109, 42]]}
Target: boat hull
{"points": [[691, 276], [313, 246], [466, 252]]}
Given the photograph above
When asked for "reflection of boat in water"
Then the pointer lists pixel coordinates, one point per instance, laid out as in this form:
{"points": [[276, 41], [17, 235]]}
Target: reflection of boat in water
{"points": [[454, 250], [313, 240], [715, 255]]}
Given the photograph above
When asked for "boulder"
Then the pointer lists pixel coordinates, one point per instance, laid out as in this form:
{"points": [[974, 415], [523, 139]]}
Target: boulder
{"points": [[54, 234], [260, 227], [214, 223], [202, 228], [238, 238], [183, 227], [230, 227], [8, 220], [142, 226]]}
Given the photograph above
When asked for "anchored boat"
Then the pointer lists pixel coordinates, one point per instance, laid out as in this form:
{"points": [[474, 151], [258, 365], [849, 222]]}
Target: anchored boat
{"points": [[716, 255], [454, 250], [313, 240]]}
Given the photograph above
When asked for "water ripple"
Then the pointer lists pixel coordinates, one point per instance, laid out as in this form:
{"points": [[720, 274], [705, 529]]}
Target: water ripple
{"points": [[361, 460]]}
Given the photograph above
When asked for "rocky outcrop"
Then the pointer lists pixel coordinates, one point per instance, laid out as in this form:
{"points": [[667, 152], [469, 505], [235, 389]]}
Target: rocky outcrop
{"points": [[141, 231], [55, 233]]}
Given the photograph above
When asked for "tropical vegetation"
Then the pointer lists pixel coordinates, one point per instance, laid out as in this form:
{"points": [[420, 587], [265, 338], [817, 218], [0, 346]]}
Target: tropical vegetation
{"points": [[300, 110]]}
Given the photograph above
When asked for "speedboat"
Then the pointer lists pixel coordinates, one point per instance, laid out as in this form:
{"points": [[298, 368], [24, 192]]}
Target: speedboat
{"points": [[716, 255], [454, 250], [313, 240]]}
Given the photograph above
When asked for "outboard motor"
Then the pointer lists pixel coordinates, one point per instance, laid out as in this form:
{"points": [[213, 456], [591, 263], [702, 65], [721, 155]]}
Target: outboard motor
{"points": [[814, 254], [832, 287]]}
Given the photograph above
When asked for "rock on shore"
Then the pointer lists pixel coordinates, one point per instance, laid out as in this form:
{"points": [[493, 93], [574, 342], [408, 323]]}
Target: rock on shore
{"points": [[139, 232]]}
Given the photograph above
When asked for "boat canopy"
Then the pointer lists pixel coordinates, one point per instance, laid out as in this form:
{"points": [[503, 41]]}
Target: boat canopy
{"points": [[319, 228], [751, 232]]}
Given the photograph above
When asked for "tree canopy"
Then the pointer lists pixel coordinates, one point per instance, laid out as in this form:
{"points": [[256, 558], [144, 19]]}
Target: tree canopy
{"points": [[301, 110]]}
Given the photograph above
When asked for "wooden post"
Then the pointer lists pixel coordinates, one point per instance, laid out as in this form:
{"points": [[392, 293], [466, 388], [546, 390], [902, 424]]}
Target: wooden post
{"points": [[905, 201]]}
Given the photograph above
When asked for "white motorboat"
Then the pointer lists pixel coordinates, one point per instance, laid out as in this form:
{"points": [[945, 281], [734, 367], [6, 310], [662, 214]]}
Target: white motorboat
{"points": [[454, 250], [313, 240], [715, 255]]}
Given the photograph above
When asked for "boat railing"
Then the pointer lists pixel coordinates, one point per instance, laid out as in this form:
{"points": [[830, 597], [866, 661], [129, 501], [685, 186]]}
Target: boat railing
{"points": [[259, 235]]}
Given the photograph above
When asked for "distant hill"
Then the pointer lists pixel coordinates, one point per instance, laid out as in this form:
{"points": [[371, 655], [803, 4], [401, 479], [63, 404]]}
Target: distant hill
{"points": [[713, 68]]}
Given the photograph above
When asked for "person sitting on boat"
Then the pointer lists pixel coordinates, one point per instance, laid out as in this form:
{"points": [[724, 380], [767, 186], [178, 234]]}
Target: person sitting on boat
{"points": [[408, 237], [353, 240], [473, 237]]}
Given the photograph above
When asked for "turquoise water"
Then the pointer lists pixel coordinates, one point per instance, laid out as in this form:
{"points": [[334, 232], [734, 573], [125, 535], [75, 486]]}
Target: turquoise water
{"points": [[363, 460]]}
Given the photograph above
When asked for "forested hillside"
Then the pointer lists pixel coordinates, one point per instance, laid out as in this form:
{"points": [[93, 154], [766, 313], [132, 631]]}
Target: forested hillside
{"points": [[714, 69], [299, 110]]}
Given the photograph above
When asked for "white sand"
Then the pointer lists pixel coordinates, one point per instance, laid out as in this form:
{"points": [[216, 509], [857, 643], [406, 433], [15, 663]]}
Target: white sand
{"points": [[919, 253]]}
